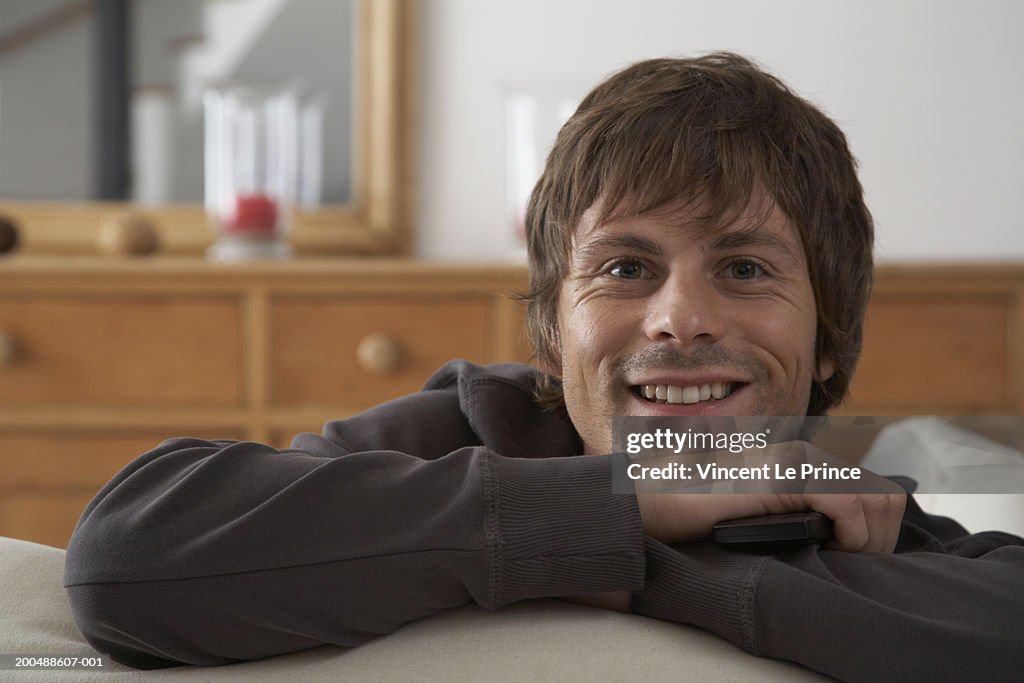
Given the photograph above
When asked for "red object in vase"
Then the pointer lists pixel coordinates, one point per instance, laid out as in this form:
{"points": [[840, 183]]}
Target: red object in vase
{"points": [[254, 214]]}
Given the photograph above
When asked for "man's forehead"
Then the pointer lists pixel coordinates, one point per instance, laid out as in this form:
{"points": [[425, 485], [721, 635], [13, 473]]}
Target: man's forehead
{"points": [[762, 225]]}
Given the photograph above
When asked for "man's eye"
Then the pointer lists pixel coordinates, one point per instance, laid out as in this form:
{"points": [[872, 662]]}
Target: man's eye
{"points": [[745, 270], [627, 270]]}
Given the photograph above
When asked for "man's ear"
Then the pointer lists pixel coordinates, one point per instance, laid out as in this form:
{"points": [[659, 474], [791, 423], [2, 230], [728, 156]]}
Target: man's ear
{"points": [[826, 368]]}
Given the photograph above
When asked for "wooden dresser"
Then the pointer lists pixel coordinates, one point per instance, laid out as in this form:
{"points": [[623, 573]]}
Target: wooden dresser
{"points": [[102, 359], [943, 340]]}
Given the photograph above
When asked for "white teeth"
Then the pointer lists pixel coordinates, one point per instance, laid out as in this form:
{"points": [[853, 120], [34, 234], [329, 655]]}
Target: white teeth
{"points": [[675, 394]]}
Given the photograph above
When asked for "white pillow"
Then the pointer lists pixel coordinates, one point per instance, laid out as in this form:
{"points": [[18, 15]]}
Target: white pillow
{"points": [[951, 465]]}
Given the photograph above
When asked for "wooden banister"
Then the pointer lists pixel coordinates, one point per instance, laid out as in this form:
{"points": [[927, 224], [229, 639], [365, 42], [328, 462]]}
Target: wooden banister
{"points": [[52, 21]]}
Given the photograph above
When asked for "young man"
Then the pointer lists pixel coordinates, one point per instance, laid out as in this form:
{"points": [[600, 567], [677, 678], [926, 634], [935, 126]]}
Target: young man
{"points": [[698, 246]]}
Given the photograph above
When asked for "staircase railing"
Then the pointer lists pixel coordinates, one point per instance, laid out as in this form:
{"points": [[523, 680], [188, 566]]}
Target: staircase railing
{"points": [[50, 22]]}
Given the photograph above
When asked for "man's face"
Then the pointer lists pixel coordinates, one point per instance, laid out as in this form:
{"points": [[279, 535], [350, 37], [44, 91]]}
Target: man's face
{"points": [[657, 318]]}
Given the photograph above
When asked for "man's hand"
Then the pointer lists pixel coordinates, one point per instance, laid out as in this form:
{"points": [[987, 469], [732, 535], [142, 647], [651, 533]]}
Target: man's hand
{"points": [[863, 522], [866, 513], [867, 523]]}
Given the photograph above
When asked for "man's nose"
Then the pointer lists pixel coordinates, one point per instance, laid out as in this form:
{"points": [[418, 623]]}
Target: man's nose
{"points": [[686, 308]]}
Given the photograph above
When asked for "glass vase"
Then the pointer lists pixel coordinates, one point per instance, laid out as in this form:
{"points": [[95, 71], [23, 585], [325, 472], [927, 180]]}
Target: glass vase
{"points": [[252, 138]]}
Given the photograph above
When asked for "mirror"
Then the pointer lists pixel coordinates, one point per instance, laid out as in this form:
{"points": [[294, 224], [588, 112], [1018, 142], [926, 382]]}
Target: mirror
{"points": [[366, 142]]}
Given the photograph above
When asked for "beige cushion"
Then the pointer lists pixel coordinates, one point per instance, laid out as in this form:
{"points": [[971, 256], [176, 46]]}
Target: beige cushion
{"points": [[544, 640]]}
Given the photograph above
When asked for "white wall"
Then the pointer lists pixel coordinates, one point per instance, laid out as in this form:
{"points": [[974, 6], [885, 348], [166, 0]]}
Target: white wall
{"points": [[929, 93], [46, 86]]}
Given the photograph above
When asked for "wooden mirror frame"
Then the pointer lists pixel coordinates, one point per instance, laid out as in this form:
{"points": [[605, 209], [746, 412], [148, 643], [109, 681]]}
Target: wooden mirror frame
{"points": [[377, 221]]}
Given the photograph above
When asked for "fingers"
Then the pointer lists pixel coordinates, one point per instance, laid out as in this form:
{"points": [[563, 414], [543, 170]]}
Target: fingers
{"points": [[862, 522], [849, 523], [897, 506], [866, 522]]}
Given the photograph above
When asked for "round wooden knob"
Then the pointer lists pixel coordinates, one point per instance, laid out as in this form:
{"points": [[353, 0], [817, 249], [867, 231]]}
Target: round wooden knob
{"points": [[7, 349], [379, 354], [127, 235], [8, 234]]}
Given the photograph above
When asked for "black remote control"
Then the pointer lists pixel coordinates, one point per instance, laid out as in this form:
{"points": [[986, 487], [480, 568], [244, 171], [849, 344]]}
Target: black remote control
{"points": [[796, 528]]}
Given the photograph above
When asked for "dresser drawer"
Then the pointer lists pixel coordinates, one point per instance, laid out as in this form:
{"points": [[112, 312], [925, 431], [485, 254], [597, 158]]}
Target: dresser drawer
{"points": [[949, 354], [47, 478], [361, 351], [81, 461], [48, 517], [150, 350]]}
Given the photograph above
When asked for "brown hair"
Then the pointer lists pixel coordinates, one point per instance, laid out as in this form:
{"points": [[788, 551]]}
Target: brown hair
{"points": [[710, 129]]}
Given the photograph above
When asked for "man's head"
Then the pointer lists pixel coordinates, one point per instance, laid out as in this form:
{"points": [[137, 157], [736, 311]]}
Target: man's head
{"points": [[698, 221]]}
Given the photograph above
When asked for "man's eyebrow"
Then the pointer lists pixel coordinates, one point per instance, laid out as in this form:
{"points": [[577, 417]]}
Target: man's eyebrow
{"points": [[751, 238], [617, 242]]}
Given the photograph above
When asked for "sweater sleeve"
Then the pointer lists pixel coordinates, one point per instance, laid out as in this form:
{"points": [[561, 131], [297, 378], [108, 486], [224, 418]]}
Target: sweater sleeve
{"points": [[942, 610], [207, 552]]}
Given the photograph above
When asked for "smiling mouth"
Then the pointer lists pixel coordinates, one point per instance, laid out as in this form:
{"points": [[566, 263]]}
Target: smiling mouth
{"points": [[702, 393]]}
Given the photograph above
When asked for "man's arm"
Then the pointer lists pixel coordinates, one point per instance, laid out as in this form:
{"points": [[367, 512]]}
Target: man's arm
{"points": [[207, 552], [941, 608]]}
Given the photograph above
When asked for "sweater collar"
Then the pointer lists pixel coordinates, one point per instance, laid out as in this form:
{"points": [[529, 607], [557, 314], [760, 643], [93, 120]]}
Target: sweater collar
{"points": [[498, 402]]}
